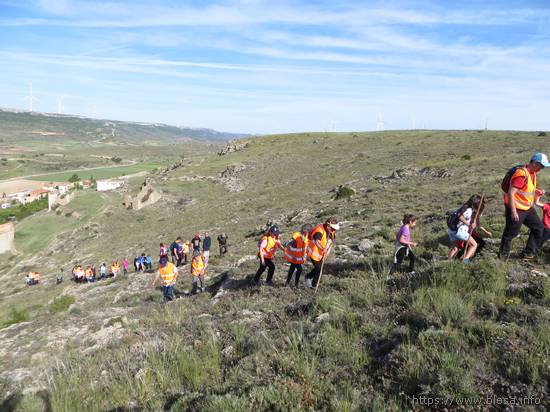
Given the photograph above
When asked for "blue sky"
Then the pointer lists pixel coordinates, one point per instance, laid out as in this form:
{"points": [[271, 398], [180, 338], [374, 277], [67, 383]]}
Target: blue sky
{"points": [[282, 66]]}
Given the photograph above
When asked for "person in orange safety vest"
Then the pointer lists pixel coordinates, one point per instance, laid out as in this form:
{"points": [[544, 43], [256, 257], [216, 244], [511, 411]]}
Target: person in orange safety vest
{"points": [[321, 238], [268, 246], [519, 201], [295, 253]]}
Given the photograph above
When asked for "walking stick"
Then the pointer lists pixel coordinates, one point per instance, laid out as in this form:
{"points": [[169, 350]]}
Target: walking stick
{"points": [[322, 266], [471, 227]]}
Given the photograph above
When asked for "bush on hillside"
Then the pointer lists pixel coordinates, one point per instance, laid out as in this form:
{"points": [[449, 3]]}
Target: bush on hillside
{"points": [[61, 304], [16, 316], [344, 192]]}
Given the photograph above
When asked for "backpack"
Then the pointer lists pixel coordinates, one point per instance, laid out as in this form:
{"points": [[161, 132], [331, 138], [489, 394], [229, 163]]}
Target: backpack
{"points": [[505, 184], [453, 218]]}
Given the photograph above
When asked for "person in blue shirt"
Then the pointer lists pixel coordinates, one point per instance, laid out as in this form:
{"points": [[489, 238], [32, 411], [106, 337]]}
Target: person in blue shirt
{"points": [[148, 262]]}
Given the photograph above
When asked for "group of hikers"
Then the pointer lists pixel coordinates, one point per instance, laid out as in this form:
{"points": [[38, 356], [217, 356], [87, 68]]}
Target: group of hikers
{"points": [[314, 243], [179, 251], [521, 196]]}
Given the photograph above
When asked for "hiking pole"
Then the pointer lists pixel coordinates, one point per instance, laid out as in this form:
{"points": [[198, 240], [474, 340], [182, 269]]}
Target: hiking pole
{"points": [[471, 230], [322, 266]]}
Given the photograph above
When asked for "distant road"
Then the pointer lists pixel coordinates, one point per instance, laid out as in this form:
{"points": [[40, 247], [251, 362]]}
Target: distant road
{"points": [[11, 179]]}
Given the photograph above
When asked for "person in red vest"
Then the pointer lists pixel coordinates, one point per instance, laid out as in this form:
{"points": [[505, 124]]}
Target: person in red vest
{"points": [[519, 202], [295, 253], [320, 243], [268, 246]]}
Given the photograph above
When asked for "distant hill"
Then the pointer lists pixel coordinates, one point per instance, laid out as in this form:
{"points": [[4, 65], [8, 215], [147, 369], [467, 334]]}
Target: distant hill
{"points": [[20, 126]]}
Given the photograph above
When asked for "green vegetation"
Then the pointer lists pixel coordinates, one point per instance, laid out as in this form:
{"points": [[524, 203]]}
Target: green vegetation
{"points": [[344, 192], [16, 316], [61, 304], [73, 179], [20, 212]]}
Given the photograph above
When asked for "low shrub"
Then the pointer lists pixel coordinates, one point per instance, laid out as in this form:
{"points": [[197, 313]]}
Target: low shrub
{"points": [[344, 192], [16, 316], [61, 304]]}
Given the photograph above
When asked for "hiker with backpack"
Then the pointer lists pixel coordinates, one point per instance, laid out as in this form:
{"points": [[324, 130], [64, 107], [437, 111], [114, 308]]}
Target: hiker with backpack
{"points": [[198, 269], [176, 259], [168, 273], [196, 242], [295, 252], [461, 224], [222, 242], [321, 238], [268, 245], [185, 249], [33, 278], [519, 186], [148, 263], [404, 245]]}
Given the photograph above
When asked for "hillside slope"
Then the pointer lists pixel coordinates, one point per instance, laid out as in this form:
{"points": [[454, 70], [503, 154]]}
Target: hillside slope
{"points": [[17, 126], [366, 341]]}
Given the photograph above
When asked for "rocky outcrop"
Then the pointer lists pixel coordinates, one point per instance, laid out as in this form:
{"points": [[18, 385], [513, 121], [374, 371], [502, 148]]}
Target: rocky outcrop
{"points": [[229, 177], [147, 196], [415, 172], [233, 146]]}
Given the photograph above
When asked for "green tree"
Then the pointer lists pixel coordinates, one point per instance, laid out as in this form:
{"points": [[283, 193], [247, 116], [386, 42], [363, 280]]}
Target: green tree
{"points": [[74, 178]]}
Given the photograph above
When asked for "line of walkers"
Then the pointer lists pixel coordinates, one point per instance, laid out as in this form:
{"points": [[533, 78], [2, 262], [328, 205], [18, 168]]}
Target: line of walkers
{"points": [[314, 243], [179, 250]]}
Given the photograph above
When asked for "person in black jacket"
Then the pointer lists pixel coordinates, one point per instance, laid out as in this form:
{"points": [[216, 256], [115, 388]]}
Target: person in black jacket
{"points": [[222, 241], [206, 243]]}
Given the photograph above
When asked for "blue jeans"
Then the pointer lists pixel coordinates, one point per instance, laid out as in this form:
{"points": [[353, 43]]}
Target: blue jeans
{"points": [[168, 293]]}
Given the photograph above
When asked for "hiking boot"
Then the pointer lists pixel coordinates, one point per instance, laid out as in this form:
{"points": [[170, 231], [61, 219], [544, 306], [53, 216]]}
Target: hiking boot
{"points": [[411, 274], [203, 289], [466, 261], [309, 283], [526, 257], [269, 283]]}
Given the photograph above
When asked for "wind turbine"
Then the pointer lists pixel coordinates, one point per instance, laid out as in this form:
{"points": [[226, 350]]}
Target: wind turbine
{"points": [[379, 122], [31, 98], [60, 107]]}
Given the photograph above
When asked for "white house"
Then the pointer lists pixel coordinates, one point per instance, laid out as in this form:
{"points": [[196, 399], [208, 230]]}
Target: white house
{"points": [[106, 185]]}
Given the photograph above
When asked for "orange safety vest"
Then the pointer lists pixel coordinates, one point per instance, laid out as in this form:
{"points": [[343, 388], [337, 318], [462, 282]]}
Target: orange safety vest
{"points": [[296, 254], [88, 272], [524, 198], [168, 274], [269, 251], [312, 250], [197, 265]]}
